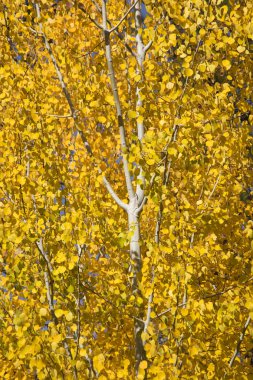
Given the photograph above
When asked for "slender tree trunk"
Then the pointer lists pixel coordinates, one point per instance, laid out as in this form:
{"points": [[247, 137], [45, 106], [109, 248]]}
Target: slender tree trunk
{"points": [[136, 198], [136, 269]]}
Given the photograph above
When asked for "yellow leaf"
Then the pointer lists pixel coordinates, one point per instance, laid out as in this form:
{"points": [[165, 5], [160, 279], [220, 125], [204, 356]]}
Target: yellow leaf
{"points": [[82, 352], [249, 305], [109, 99], [137, 78], [98, 362], [57, 338], [35, 117], [211, 367], [193, 350], [94, 103], [230, 40], [172, 151], [123, 66], [209, 306], [70, 289], [188, 72], [143, 364], [161, 376], [121, 374], [61, 269], [60, 257], [202, 67], [240, 49], [226, 63], [173, 38], [169, 85], [40, 364], [43, 312], [150, 161], [190, 269], [202, 32], [140, 119], [72, 262], [101, 119], [67, 226], [132, 114], [184, 312], [21, 180], [59, 313], [166, 249], [69, 316], [209, 143], [79, 364], [139, 301]]}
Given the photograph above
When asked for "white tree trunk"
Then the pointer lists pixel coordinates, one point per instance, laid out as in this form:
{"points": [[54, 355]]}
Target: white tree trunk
{"points": [[136, 271]]}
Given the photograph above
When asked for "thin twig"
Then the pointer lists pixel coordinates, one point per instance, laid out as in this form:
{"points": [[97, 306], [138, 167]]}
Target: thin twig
{"points": [[63, 84], [119, 35], [150, 300], [237, 349], [80, 250], [168, 310], [58, 116], [124, 17], [39, 244]]}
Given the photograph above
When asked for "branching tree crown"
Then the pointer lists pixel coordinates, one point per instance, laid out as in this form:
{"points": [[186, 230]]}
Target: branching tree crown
{"points": [[125, 189]]}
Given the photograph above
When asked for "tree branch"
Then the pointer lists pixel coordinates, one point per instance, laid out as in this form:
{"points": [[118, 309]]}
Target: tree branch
{"points": [[81, 7], [140, 57], [78, 311], [62, 83], [237, 349], [39, 244], [148, 46], [57, 116], [124, 17], [150, 300], [143, 202], [118, 34], [119, 202], [114, 87], [96, 5], [168, 310]]}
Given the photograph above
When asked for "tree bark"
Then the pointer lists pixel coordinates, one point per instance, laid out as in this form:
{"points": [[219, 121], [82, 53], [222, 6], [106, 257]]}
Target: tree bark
{"points": [[136, 270]]}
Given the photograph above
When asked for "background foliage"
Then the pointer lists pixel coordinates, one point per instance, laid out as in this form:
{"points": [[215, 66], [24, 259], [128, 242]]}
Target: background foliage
{"points": [[67, 305]]}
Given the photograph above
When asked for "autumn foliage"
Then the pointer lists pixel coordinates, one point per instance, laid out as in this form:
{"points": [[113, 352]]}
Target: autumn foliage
{"points": [[126, 153]]}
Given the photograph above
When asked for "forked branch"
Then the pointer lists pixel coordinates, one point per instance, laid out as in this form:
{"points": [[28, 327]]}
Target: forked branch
{"points": [[124, 17], [119, 202]]}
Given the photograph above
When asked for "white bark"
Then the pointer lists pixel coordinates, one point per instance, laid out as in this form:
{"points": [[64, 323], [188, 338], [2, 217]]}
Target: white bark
{"points": [[238, 346], [140, 56], [119, 202], [116, 101], [136, 199], [134, 227], [136, 270]]}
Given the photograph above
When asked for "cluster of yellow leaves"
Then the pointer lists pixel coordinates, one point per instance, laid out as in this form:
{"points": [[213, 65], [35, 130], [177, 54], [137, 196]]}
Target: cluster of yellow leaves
{"points": [[196, 85]]}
